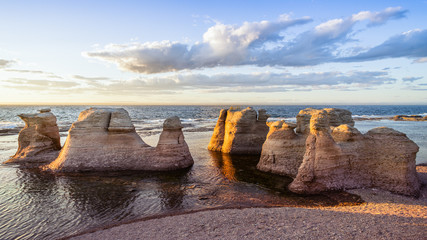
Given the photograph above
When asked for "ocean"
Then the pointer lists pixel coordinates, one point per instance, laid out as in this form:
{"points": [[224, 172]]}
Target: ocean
{"points": [[36, 205]]}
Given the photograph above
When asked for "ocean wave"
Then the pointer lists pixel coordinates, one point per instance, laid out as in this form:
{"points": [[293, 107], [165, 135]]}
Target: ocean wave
{"points": [[287, 119], [10, 125]]}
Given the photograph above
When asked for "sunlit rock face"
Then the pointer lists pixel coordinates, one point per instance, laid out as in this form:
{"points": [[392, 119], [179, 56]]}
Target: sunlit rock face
{"points": [[39, 140], [104, 139], [343, 158], [239, 132], [409, 118], [335, 116], [283, 151]]}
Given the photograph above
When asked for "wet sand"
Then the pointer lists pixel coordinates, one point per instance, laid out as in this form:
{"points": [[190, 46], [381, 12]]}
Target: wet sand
{"points": [[383, 216]]}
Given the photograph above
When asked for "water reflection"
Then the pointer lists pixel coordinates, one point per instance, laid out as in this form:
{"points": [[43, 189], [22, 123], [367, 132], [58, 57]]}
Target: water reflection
{"points": [[242, 168], [224, 163], [48, 206], [173, 189], [97, 196]]}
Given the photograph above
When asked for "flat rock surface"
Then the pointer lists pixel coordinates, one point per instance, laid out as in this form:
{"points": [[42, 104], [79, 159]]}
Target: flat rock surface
{"points": [[383, 216]]}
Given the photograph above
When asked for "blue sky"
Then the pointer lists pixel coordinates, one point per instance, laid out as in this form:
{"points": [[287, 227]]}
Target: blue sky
{"points": [[218, 52]]}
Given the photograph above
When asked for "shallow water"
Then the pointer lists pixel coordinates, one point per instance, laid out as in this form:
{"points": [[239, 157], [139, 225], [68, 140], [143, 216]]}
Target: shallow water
{"points": [[35, 205], [45, 206]]}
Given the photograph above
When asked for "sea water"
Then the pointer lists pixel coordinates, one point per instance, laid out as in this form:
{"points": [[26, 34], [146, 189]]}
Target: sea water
{"points": [[35, 205]]}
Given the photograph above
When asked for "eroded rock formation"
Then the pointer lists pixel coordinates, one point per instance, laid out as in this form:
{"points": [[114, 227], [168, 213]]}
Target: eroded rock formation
{"points": [[283, 151], [240, 132], [39, 140], [344, 158], [105, 139], [335, 116]]}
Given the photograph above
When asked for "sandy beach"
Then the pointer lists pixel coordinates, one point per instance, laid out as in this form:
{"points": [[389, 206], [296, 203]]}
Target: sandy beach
{"points": [[383, 216]]}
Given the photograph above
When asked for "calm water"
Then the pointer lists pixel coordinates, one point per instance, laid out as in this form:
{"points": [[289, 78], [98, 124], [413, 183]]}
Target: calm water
{"points": [[35, 205]]}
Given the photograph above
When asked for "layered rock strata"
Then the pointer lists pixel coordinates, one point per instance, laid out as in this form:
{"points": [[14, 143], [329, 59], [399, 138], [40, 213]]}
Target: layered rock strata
{"points": [[336, 117], [283, 151], [39, 141], [344, 159], [104, 139], [240, 132]]}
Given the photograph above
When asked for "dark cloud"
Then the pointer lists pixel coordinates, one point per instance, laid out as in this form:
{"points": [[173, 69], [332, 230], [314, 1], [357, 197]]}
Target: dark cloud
{"points": [[257, 43]]}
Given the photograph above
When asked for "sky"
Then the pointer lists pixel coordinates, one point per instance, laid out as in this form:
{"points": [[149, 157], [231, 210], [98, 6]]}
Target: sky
{"points": [[213, 52]]}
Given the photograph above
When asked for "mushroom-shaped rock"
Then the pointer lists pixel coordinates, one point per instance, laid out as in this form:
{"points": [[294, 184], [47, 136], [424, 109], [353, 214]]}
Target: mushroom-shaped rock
{"points": [[39, 141], [104, 139], [344, 159], [240, 132]]}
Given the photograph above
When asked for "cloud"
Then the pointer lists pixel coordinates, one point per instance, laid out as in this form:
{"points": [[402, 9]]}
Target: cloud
{"points": [[79, 77], [223, 45], [252, 82], [379, 18], [261, 43], [421, 60], [248, 82], [411, 79], [47, 74], [412, 44], [5, 63], [41, 85]]}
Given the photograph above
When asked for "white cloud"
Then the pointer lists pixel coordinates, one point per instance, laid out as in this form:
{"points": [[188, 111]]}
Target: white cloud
{"points": [[252, 43], [223, 45]]}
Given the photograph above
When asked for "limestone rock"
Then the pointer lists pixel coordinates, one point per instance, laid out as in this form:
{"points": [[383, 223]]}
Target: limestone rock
{"points": [[217, 139], [172, 151], [344, 159], [283, 151], [39, 140], [240, 132], [104, 139], [335, 117]]}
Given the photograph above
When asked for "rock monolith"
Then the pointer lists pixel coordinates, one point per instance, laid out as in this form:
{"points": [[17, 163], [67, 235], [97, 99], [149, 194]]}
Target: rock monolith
{"points": [[343, 158], [240, 132], [283, 151], [104, 139], [39, 141]]}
